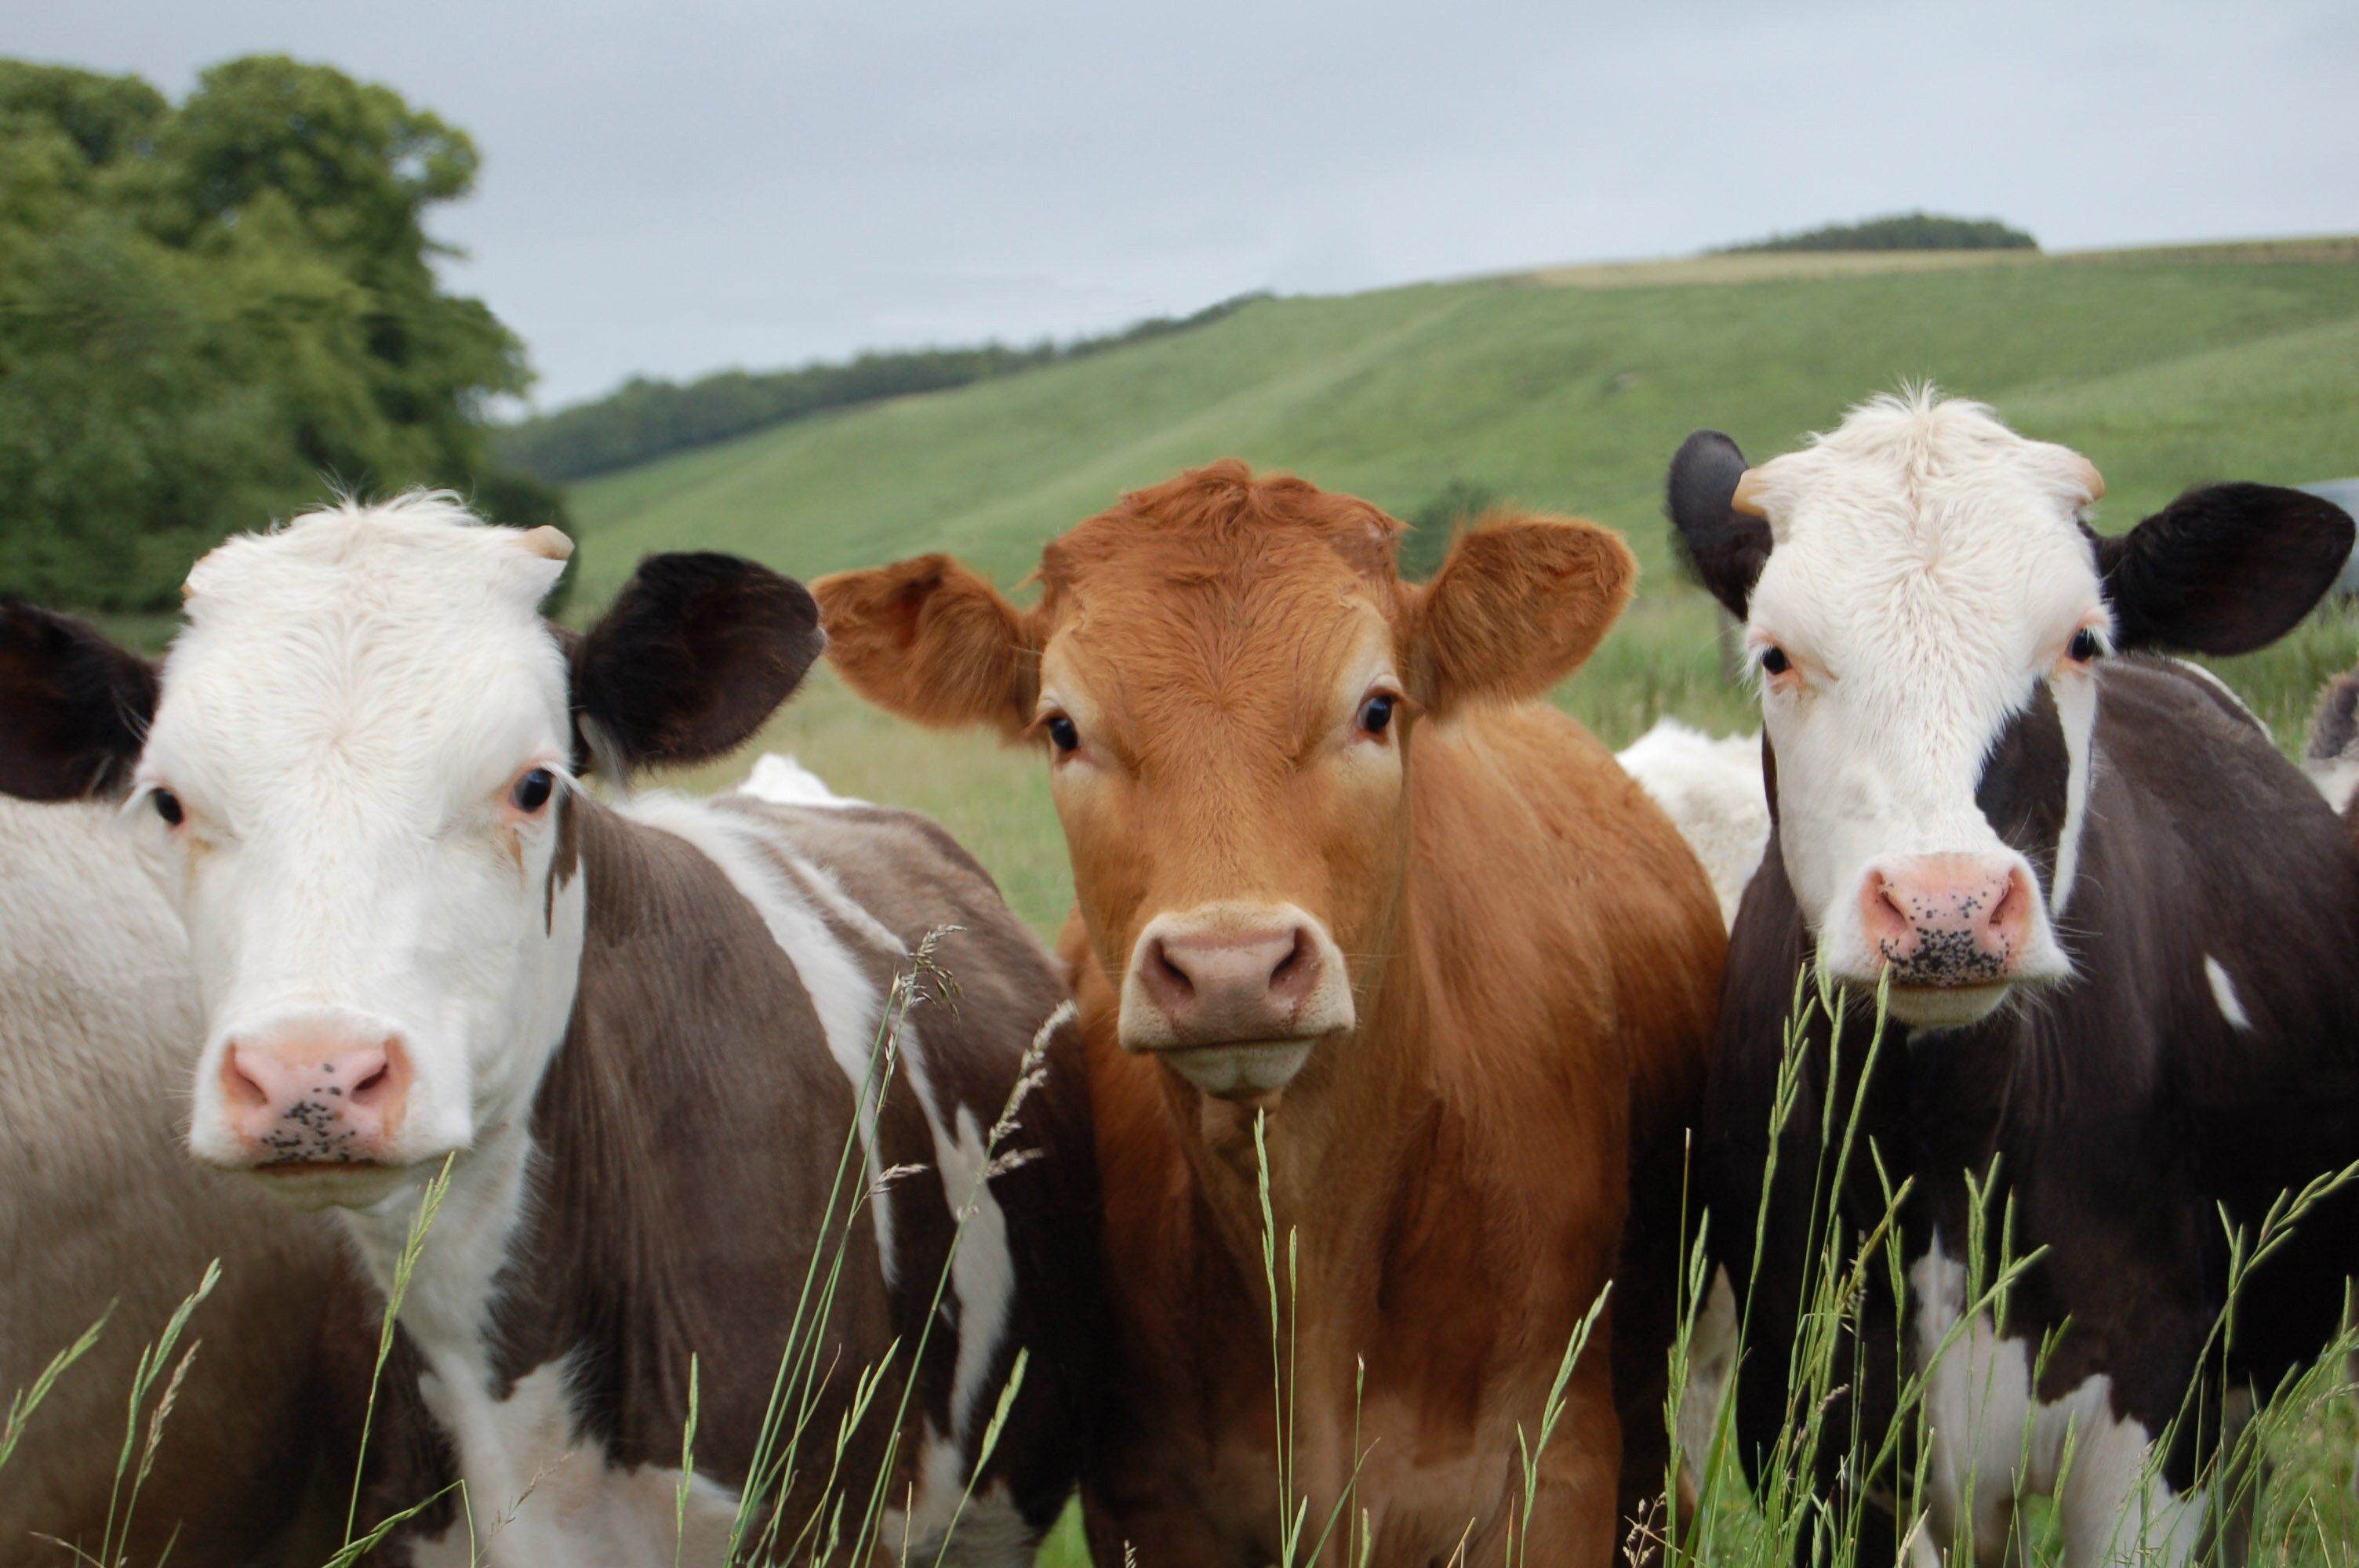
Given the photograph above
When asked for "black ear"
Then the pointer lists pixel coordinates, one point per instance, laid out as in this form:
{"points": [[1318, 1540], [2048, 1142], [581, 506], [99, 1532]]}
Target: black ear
{"points": [[2223, 569], [73, 708], [692, 658], [1724, 547]]}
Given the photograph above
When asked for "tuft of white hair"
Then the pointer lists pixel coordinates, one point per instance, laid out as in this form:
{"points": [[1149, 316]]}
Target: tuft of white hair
{"points": [[1712, 790], [782, 781]]}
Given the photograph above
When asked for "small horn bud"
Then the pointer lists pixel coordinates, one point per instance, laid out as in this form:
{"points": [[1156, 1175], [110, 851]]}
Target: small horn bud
{"points": [[1748, 498], [549, 544], [2090, 480]]}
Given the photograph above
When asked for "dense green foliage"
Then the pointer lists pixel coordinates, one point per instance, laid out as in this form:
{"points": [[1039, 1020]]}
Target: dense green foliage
{"points": [[217, 312], [645, 418], [1900, 231]]}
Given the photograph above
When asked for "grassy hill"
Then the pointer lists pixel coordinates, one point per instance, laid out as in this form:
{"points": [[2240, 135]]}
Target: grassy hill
{"points": [[1566, 391]]}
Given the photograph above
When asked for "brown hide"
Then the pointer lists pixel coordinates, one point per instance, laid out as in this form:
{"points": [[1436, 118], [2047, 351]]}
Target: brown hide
{"points": [[1534, 960], [101, 1207]]}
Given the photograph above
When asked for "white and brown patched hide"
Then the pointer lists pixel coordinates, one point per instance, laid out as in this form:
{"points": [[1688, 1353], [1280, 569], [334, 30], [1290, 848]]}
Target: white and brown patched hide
{"points": [[738, 957]]}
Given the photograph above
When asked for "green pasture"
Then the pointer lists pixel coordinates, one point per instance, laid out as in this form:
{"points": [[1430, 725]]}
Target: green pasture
{"points": [[1565, 391]]}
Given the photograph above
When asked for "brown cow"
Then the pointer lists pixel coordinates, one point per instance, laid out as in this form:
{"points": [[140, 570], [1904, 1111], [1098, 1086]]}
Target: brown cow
{"points": [[1472, 996], [99, 1209]]}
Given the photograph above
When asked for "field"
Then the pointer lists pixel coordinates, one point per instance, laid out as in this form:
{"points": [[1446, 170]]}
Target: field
{"points": [[1564, 391]]}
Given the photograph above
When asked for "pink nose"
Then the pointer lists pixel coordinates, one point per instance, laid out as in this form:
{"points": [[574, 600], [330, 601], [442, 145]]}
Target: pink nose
{"points": [[316, 1099], [1948, 920], [1237, 986]]}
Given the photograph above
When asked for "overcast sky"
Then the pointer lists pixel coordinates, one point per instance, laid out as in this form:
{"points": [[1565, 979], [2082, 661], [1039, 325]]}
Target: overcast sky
{"points": [[676, 187]]}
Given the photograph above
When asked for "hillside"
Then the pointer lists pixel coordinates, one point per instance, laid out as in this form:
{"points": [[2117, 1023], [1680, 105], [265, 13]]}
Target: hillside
{"points": [[1566, 391]]}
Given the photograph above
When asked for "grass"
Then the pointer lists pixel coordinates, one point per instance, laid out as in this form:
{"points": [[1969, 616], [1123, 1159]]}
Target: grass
{"points": [[1564, 391], [2289, 1466]]}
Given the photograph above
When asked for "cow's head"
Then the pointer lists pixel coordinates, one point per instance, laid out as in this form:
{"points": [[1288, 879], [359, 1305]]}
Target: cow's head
{"points": [[1227, 674], [358, 762], [1925, 608]]}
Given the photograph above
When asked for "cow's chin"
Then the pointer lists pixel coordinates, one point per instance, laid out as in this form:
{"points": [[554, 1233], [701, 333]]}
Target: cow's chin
{"points": [[313, 1185], [1245, 1071], [1946, 1007]]}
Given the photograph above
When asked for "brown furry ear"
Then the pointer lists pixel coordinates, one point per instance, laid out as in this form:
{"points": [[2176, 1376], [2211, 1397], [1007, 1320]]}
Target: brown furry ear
{"points": [[1516, 606], [932, 641]]}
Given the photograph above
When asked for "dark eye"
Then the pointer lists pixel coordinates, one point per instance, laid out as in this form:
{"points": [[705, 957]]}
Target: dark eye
{"points": [[2085, 645], [167, 806], [1773, 660], [1377, 712], [1062, 731], [533, 790]]}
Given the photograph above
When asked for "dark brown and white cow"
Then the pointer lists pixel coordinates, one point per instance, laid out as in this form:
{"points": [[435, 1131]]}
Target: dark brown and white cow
{"points": [[1335, 865], [2120, 930], [644, 1030]]}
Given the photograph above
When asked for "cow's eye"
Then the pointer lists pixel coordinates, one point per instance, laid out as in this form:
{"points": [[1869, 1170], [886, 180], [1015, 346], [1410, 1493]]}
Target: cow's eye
{"points": [[532, 791], [1376, 713], [1773, 660], [168, 807], [2085, 646], [1062, 733]]}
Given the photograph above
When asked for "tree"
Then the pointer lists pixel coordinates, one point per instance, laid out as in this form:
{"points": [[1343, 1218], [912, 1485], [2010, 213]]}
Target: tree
{"points": [[219, 312]]}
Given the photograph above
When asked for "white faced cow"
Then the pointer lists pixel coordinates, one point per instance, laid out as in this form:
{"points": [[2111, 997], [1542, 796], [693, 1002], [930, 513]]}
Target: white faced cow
{"points": [[2120, 930], [643, 1031]]}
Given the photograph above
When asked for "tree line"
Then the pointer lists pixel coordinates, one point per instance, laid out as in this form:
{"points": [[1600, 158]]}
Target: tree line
{"points": [[647, 419], [219, 312], [1900, 231]]}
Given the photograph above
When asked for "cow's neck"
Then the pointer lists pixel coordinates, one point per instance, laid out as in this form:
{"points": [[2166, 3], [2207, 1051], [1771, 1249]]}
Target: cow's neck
{"points": [[1334, 1140], [446, 1306], [480, 1224]]}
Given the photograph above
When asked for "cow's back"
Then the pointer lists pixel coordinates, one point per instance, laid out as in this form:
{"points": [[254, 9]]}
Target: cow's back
{"points": [[100, 1203]]}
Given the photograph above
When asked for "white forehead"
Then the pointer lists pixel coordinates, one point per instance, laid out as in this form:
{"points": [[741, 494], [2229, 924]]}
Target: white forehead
{"points": [[403, 638], [1921, 521]]}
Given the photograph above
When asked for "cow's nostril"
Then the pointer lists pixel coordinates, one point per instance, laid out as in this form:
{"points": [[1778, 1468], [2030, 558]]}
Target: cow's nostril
{"points": [[1291, 963], [1172, 973], [240, 1086]]}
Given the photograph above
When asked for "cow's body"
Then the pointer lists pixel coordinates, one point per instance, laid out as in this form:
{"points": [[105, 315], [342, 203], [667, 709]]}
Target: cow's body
{"points": [[1712, 789], [737, 962], [639, 1037], [2193, 1063], [1457, 1210], [98, 1205], [2119, 932], [1335, 868]]}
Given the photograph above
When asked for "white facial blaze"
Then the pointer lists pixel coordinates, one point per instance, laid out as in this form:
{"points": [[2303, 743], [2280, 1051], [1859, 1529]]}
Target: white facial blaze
{"points": [[341, 722], [1927, 572]]}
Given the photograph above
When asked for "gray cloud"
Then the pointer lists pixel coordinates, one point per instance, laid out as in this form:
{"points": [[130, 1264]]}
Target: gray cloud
{"points": [[675, 188]]}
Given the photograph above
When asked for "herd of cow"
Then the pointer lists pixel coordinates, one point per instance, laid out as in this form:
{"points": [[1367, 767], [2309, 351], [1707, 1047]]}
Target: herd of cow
{"points": [[1371, 947]]}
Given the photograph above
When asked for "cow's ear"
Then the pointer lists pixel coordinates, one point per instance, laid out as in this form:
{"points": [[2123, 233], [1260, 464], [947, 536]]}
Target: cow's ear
{"points": [[74, 709], [1517, 605], [1724, 547], [693, 657], [934, 643], [2223, 569]]}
